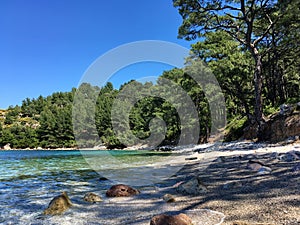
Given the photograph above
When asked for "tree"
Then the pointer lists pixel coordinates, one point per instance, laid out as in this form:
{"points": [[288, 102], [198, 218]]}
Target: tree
{"points": [[232, 67], [247, 21]]}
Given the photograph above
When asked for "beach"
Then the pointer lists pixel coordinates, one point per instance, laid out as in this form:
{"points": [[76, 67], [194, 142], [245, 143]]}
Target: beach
{"points": [[232, 193], [245, 195]]}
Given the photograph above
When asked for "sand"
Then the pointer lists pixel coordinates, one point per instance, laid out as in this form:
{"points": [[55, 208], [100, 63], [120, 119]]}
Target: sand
{"points": [[235, 194], [240, 193]]}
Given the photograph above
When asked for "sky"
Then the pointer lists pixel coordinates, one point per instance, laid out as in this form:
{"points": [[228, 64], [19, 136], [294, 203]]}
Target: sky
{"points": [[47, 45]]}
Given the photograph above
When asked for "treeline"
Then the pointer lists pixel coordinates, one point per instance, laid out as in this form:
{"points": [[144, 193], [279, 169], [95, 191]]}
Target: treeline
{"points": [[253, 50], [47, 122], [43, 122]]}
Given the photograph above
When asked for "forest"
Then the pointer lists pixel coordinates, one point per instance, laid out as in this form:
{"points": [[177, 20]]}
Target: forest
{"points": [[251, 47]]}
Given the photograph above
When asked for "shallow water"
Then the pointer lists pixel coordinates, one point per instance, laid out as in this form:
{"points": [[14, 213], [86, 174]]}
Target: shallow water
{"points": [[30, 179]]}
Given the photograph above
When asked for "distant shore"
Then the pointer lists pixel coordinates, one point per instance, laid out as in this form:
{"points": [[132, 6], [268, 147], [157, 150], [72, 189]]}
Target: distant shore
{"points": [[163, 148]]}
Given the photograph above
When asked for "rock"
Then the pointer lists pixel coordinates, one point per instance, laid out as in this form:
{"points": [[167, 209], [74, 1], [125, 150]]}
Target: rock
{"points": [[58, 205], [163, 219], [232, 184], [296, 167], [278, 128], [92, 197], [274, 155], [7, 147], [298, 106], [166, 148], [169, 198], [290, 156], [192, 187], [121, 190], [264, 170], [254, 165], [259, 167], [191, 158], [221, 159], [286, 109], [103, 179]]}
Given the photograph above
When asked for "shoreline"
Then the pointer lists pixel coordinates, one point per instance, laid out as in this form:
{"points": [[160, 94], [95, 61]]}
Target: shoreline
{"points": [[209, 145], [233, 191]]}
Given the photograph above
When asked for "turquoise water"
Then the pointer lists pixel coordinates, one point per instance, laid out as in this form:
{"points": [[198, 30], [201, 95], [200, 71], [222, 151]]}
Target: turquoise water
{"points": [[30, 179]]}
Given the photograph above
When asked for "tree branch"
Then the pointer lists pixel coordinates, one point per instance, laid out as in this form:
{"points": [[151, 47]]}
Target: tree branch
{"points": [[234, 17], [265, 33]]}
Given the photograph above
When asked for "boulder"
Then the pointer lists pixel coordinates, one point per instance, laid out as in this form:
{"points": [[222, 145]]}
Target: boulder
{"points": [[92, 197], [192, 187], [278, 127], [163, 219], [121, 190], [58, 204]]}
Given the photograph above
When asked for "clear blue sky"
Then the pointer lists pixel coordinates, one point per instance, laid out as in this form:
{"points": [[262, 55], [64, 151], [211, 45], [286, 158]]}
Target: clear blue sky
{"points": [[47, 45]]}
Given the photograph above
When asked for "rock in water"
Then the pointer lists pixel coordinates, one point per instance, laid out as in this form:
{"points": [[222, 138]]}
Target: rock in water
{"points": [[58, 205], [121, 190], [163, 219], [92, 197], [192, 187]]}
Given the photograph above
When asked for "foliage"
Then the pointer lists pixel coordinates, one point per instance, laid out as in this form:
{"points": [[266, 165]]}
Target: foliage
{"points": [[235, 128], [255, 24], [252, 48]]}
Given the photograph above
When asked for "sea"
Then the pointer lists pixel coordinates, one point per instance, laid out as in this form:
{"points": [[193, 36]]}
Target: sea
{"points": [[30, 179]]}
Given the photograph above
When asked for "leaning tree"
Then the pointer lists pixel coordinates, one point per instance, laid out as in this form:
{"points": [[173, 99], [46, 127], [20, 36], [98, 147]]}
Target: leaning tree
{"points": [[248, 21]]}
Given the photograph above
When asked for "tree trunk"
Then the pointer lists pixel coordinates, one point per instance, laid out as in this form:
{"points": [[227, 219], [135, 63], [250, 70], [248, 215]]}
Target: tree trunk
{"points": [[258, 113]]}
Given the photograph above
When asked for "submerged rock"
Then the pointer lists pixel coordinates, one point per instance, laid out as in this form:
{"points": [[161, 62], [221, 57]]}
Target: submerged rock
{"points": [[58, 204], [92, 197], [121, 190], [192, 187], [163, 219]]}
